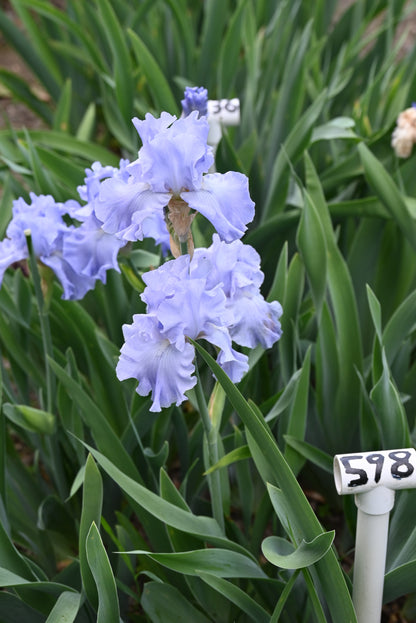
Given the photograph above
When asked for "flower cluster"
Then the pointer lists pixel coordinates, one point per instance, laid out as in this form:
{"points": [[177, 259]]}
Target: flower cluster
{"points": [[212, 293], [404, 134], [213, 296], [78, 255]]}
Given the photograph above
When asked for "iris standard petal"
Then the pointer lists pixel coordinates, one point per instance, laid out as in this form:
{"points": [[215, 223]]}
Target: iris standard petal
{"points": [[176, 158], [148, 127]]}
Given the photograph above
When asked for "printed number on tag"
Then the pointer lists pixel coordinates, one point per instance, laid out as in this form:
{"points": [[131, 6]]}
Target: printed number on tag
{"points": [[396, 462]]}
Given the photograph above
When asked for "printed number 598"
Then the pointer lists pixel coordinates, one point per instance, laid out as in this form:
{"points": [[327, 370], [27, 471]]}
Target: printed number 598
{"points": [[399, 468]]}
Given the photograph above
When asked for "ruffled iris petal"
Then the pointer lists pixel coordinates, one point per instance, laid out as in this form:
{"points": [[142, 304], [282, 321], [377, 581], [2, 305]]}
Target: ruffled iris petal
{"points": [[158, 365], [225, 201], [11, 251], [75, 285], [90, 251], [176, 158], [150, 125], [123, 207], [234, 364], [256, 321]]}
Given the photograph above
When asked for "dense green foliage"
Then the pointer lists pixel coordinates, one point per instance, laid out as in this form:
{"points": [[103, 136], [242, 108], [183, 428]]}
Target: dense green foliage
{"points": [[87, 473]]}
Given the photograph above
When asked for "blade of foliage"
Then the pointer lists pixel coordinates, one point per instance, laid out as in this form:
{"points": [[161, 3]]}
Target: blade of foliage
{"points": [[66, 608], [389, 194], [295, 283], [304, 555], [92, 502], [61, 119], [69, 145], [345, 312], [121, 59], [221, 563], [312, 246], [40, 42], [291, 94], [401, 324], [201, 526], [314, 455], [22, 92], [399, 581], [375, 309], [283, 598], [302, 514], [238, 454], [291, 151], [28, 52], [390, 410], [60, 17], [239, 597], [158, 85], [12, 608], [229, 55], [297, 418], [214, 22], [286, 397], [327, 377], [108, 607], [165, 604], [104, 435]]}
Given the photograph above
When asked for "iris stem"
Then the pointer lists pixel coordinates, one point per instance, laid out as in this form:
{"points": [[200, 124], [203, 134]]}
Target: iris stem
{"points": [[44, 326], [211, 435], [184, 247], [51, 442]]}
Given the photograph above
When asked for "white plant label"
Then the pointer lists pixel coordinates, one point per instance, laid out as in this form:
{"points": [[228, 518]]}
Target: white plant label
{"points": [[225, 111], [360, 472]]}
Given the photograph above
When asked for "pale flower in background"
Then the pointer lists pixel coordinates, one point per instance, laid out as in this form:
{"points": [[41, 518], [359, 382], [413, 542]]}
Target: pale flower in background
{"points": [[404, 135]]}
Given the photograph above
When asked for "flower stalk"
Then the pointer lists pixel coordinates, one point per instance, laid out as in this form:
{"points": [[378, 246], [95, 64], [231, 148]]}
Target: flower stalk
{"points": [[44, 323], [212, 438], [42, 303]]}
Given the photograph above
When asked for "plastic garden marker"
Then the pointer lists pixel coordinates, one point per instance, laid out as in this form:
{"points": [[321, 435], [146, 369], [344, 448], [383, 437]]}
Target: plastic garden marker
{"points": [[373, 478], [221, 112]]}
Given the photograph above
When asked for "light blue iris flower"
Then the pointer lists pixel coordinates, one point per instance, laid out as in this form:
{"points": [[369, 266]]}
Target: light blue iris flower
{"points": [[79, 254], [170, 177], [215, 296]]}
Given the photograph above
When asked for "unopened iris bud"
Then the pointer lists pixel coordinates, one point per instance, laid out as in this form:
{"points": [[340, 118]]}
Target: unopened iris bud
{"points": [[196, 98]]}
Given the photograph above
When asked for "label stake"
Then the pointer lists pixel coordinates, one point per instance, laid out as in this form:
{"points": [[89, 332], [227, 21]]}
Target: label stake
{"points": [[372, 477]]}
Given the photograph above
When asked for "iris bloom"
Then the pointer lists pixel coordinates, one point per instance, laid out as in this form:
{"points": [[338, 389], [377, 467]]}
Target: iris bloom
{"points": [[78, 255], [169, 178], [200, 298]]}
